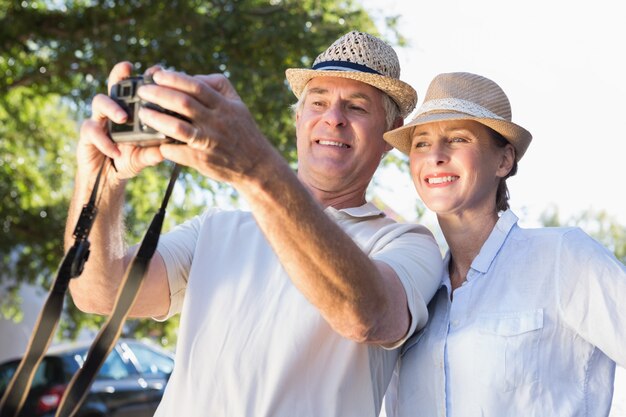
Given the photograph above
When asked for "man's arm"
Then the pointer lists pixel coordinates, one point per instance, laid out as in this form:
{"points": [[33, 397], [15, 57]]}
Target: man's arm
{"points": [[360, 299], [96, 288]]}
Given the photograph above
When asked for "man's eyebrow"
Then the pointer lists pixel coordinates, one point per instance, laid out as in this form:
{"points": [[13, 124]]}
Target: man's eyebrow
{"points": [[318, 90], [355, 95], [362, 96]]}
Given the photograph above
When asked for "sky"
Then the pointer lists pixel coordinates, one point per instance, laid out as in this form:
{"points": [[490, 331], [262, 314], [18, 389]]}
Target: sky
{"points": [[562, 65]]}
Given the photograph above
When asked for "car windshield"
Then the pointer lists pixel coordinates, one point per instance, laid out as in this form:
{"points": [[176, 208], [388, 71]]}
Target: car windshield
{"points": [[46, 372], [150, 361], [6, 373]]}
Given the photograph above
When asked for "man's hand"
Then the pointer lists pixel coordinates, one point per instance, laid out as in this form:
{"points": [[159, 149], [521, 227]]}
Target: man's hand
{"points": [[95, 142], [223, 140]]}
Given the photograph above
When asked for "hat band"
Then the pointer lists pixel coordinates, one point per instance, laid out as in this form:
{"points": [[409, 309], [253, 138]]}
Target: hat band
{"points": [[344, 66], [457, 105]]}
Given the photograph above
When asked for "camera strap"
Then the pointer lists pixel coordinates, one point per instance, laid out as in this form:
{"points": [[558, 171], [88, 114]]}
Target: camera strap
{"points": [[71, 266], [127, 293]]}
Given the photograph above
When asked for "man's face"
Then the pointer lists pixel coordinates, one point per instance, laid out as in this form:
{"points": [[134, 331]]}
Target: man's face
{"points": [[340, 136]]}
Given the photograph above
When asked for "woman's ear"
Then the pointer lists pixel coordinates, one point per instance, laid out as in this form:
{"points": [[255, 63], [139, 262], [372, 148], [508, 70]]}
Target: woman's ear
{"points": [[507, 160]]}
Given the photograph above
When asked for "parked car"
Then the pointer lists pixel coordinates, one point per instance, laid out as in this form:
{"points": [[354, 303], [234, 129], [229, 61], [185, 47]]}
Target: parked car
{"points": [[130, 382]]}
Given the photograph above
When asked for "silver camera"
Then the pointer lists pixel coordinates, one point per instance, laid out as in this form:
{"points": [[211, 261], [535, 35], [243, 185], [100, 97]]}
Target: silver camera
{"points": [[134, 131]]}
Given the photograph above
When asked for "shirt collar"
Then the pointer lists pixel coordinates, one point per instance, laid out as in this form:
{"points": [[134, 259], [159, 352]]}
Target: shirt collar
{"points": [[494, 242], [366, 210]]}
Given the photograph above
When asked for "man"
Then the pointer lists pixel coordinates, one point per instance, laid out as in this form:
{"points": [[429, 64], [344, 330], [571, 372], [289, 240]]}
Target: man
{"points": [[297, 307]]}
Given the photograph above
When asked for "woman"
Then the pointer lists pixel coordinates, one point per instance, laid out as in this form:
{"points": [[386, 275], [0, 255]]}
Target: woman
{"points": [[527, 322]]}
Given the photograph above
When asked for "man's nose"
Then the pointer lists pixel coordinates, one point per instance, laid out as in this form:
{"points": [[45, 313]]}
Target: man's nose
{"points": [[335, 116]]}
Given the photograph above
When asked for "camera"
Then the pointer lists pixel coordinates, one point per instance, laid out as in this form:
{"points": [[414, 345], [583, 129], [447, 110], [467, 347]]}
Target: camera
{"points": [[134, 131]]}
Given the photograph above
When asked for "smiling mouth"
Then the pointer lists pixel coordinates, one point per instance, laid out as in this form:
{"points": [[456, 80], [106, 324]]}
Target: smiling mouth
{"points": [[333, 143], [442, 180]]}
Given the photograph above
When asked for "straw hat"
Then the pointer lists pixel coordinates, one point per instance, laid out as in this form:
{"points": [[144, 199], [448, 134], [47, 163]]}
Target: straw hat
{"points": [[362, 57], [464, 96]]}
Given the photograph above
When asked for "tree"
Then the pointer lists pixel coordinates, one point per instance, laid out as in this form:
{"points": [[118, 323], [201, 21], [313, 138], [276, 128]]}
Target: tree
{"points": [[55, 56], [598, 224], [35, 132]]}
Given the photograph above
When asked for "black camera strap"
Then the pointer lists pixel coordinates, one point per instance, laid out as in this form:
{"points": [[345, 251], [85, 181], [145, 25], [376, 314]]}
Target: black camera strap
{"points": [[127, 293], [71, 266]]}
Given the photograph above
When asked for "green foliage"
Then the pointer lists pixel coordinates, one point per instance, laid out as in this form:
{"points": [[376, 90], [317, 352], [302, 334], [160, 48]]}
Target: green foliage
{"points": [[36, 133], [55, 56], [70, 49], [599, 224], [605, 229]]}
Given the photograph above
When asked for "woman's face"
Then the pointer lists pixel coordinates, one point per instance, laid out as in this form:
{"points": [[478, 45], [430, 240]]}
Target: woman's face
{"points": [[456, 166]]}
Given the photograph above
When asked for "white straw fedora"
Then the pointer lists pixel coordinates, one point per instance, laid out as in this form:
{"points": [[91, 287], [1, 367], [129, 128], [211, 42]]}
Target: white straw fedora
{"points": [[362, 57], [464, 96]]}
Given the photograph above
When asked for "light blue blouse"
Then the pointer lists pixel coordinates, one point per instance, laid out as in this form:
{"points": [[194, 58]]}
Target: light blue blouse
{"points": [[534, 331]]}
